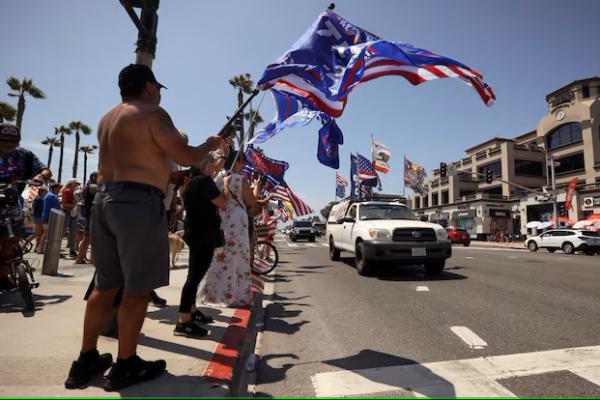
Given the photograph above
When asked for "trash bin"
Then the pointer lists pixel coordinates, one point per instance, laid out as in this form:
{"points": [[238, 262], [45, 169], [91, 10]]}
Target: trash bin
{"points": [[56, 227]]}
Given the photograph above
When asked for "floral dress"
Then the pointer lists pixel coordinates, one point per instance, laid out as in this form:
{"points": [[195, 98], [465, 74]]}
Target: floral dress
{"points": [[228, 282]]}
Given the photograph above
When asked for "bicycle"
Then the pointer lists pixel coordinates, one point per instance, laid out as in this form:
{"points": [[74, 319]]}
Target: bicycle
{"points": [[20, 270], [266, 256]]}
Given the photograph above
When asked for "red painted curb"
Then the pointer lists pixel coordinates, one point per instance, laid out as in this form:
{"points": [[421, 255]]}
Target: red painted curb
{"points": [[222, 362]]}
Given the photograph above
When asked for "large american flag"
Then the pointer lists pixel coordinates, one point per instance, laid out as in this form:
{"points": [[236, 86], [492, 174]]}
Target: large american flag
{"points": [[365, 168], [334, 56], [285, 193]]}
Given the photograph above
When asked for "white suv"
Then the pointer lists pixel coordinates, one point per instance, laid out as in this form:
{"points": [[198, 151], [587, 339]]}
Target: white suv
{"points": [[569, 240]]}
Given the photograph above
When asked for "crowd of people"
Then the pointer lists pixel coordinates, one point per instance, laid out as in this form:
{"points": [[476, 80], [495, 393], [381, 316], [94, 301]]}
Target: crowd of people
{"points": [[150, 182]]}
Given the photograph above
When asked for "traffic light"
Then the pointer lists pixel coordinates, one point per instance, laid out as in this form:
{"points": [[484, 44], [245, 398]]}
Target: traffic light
{"points": [[489, 176], [443, 170]]}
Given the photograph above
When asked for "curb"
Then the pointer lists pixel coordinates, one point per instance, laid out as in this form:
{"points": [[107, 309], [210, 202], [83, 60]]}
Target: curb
{"points": [[228, 362]]}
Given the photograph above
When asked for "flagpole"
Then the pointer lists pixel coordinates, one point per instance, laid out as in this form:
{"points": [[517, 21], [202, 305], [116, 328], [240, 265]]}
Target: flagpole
{"points": [[404, 178], [358, 177]]}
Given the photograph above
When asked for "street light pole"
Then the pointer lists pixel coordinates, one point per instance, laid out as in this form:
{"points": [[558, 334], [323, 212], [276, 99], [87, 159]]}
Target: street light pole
{"points": [[554, 205], [146, 25]]}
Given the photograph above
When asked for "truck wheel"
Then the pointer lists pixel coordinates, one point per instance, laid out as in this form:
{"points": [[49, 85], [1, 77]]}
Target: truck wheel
{"points": [[293, 238], [311, 239], [363, 265], [435, 268], [532, 246], [334, 254]]}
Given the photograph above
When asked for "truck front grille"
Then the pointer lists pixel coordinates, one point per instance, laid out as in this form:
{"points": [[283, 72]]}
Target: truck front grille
{"points": [[414, 235]]}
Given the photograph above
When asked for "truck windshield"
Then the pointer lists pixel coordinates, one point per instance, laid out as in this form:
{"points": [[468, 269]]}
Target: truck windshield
{"points": [[388, 211], [303, 224]]}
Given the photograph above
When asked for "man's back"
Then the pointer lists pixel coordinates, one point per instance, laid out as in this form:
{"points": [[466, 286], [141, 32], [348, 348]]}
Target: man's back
{"points": [[128, 151]]}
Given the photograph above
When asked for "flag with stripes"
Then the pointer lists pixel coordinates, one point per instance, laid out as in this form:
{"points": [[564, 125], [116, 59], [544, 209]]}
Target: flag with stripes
{"points": [[340, 180], [334, 56], [273, 169], [340, 185], [285, 193]]}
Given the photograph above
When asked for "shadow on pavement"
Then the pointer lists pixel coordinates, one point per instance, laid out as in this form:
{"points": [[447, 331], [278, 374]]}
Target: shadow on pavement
{"points": [[366, 361], [13, 302], [407, 272], [268, 374], [176, 347], [170, 315]]}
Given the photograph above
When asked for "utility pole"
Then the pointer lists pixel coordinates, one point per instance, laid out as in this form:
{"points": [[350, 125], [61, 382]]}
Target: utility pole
{"points": [[146, 24], [554, 204]]}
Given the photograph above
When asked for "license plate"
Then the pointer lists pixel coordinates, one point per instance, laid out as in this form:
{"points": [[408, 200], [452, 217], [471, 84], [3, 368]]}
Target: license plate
{"points": [[419, 251]]}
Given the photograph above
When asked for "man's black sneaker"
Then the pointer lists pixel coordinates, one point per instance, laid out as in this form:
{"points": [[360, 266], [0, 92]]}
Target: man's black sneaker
{"points": [[133, 370], [189, 329], [83, 371], [156, 300], [198, 316]]}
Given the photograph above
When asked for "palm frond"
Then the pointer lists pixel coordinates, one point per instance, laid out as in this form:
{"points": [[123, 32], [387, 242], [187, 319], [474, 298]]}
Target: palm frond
{"points": [[7, 111], [14, 83]]}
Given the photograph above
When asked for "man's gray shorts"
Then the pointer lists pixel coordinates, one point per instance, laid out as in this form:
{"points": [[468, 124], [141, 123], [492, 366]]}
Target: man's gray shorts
{"points": [[129, 237]]}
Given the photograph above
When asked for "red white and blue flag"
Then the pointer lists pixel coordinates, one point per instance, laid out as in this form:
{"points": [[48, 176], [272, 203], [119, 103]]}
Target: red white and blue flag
{"points": [[285, 193]]}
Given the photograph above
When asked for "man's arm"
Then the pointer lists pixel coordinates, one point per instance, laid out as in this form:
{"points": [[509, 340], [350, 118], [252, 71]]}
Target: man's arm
{"points": [[171, 141]]}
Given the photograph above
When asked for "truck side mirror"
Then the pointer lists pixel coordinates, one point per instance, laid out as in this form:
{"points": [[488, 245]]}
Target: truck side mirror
{"points": [[348, 219]]}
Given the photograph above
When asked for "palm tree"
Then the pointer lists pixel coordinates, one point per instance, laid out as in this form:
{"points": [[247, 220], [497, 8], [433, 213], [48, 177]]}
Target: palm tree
{"points": [[78, 126], [243, 84], [62, 130], [86, 149], [7, 112], [20, 89], [254, 118], [51, 141]]}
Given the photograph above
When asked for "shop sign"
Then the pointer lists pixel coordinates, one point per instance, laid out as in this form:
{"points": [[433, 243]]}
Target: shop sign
{"points": [[591, 201], [499, 213], [466, 214]]}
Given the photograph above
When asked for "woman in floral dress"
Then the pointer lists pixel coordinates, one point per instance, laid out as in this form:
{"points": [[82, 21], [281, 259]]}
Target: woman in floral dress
{"points": [[228, 282]]}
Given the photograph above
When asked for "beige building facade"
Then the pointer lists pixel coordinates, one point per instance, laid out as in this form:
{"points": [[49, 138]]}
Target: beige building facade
{"points": [[568, 134]]}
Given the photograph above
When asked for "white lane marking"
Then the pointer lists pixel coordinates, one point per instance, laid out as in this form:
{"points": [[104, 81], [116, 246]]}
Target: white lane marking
{"points": [[422, 289], [470, 248], [469, 337], [323, 244], [513, 257], [470, 258], [290, 244], [469, 377], [591, 374], [563, 258]]}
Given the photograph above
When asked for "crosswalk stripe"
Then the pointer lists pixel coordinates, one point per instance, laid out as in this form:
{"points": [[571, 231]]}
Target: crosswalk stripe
{"points": [[469, 337], [591, 374], [469, 377]]}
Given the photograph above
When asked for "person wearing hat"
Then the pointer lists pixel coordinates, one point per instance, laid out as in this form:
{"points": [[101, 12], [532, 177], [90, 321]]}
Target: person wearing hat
{"points": [[128, 232], [17, 165]]}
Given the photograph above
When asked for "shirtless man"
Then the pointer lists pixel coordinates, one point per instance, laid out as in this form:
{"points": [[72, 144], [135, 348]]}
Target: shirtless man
{"points": [[129, 225]]}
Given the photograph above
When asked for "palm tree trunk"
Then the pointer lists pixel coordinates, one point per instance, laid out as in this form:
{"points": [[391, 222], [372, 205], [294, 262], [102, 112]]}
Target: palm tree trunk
{"points": [[240, 138], [20, 110], [50, 156], [76, 159], [84, 167], [60, 160]]}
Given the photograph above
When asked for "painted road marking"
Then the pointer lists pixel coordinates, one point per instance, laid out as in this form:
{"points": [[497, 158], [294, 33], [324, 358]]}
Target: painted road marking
{"points": [[513, 257], [469, 377], [470, 258], [564, 258], [469, 337], [422, 289]]}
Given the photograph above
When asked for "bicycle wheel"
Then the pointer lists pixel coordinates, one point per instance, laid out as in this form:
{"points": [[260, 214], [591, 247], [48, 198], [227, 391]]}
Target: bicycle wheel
{"points": [[26, 245], [265, 258], [24, 286]]}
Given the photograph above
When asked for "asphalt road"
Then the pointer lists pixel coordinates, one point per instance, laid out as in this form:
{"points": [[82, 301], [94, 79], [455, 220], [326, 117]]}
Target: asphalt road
{"points": [[496, 322]]}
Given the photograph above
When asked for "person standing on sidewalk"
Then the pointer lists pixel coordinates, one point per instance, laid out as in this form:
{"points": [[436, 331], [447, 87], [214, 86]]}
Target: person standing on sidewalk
{"points": [[202, 233], [37, 209], [128, 231], [68, 201], [89, 192]]}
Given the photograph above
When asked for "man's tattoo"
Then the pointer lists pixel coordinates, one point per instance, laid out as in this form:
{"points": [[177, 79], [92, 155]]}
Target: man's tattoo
{"points": [[164, 120]]}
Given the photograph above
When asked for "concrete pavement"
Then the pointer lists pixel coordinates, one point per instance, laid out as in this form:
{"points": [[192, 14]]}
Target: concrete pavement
{"points": [[37, 350]]}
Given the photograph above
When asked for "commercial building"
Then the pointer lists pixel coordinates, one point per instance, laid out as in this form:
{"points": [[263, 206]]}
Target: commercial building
{"points": [[569, 134]]}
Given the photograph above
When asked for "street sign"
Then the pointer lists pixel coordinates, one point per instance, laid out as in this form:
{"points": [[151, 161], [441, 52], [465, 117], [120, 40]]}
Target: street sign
{"points": [[542, 198]]}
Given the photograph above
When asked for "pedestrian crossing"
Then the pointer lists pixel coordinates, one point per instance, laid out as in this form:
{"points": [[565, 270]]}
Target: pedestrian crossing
{"points": [[460, 378], [283, 241]]}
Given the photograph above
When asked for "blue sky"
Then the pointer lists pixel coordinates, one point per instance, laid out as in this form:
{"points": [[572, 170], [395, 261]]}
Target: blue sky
{"points": [[74, 49]]}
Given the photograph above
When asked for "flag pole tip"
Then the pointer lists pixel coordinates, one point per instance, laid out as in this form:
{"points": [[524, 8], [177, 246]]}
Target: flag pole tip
{"points": [[331, 6]]}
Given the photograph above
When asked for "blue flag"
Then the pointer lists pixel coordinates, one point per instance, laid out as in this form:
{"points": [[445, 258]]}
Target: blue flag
{"points": [[330, 137]]}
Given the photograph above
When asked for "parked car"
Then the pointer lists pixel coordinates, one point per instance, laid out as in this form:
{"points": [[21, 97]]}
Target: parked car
{"points": [[379, 232], [569, 240], [458, 235], [319, 228]]}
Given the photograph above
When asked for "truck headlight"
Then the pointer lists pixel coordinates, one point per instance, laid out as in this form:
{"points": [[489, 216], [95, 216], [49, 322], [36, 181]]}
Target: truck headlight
{"points": [[441, 234], [379, 233]]}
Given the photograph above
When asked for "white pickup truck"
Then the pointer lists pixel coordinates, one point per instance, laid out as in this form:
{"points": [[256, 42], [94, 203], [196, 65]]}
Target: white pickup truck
{"points": [[378, 231]]}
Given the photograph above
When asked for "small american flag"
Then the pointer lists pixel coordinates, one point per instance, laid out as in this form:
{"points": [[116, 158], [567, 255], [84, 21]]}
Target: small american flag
{"points": [[365, 169], [340, 180], [285, 193]]}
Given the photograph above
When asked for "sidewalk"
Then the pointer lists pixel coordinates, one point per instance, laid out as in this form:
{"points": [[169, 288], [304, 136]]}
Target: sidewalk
{"points": [[37, 351], [511, 245]]}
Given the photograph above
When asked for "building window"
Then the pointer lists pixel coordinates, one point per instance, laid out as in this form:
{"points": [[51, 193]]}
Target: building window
{"points": [[585, 91], [496, 168], [434, 199], [445, 197], [529, 168], [564, 135], [573, 162], [425, 201], [417, 202]]}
